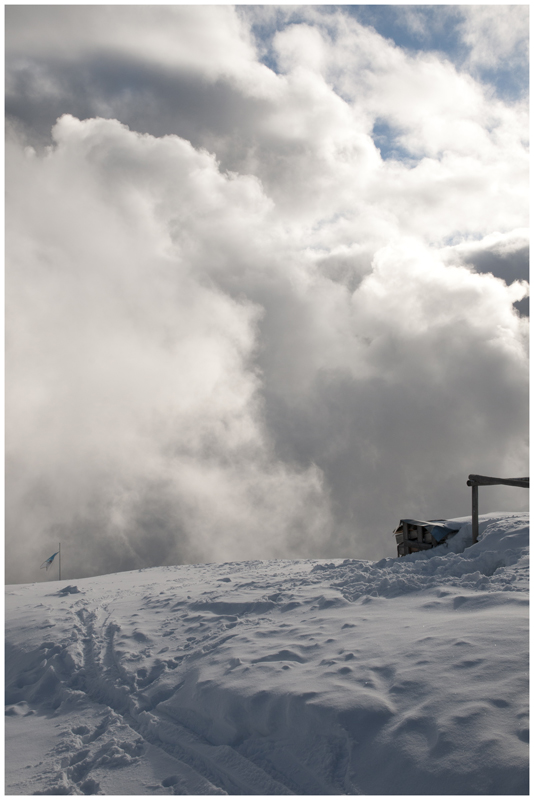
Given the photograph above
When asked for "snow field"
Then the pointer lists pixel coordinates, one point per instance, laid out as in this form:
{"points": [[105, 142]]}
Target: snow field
{"points": [[405, 676]]}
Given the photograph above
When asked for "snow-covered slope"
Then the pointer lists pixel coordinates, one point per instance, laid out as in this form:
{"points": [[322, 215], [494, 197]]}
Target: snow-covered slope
{"points": [[406, 676]]}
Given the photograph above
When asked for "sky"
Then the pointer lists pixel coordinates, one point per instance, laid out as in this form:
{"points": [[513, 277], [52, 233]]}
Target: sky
{"points": [[266, 278]]}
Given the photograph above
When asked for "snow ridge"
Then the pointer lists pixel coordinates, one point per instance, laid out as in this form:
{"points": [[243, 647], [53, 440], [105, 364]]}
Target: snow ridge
{"points": [[404, 676]]}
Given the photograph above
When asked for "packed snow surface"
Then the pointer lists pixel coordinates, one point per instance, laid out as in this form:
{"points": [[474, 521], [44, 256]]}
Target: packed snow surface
{"points": [[404, 676]]}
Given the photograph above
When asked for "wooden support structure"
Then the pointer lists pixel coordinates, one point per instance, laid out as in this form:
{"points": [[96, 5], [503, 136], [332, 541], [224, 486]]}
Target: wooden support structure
{"points": [[484, 480]]}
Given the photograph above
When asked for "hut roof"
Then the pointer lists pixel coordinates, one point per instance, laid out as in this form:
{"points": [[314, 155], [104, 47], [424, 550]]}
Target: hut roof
{"points": [[439, 528]]}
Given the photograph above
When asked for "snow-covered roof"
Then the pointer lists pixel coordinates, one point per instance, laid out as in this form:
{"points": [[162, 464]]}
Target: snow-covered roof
{"points": [[439, 529]]}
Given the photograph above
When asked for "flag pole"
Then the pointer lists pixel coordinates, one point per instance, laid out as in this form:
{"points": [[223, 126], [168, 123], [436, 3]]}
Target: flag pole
{"points": [[60, 561]]}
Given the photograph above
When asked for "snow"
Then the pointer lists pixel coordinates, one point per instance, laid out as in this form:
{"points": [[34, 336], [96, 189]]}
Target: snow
{"points": [[403, 676]]}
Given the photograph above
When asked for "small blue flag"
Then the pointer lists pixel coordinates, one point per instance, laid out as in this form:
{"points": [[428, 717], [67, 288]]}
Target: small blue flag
{"points": [[48, 561]]}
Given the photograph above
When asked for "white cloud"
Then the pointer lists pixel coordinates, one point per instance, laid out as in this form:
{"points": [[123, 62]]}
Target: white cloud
{"points": [[495, 34], [236, 343]]}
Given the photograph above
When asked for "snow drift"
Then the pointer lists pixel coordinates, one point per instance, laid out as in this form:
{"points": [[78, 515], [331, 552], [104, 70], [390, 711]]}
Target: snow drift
{"points": [[403, 676]]}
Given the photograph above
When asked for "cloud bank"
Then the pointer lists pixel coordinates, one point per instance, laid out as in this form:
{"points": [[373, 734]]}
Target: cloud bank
{"points": [[254, 311]]}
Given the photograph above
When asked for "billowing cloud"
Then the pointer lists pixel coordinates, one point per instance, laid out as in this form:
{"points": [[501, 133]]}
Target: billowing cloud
{"points": [[496, 34], [252, 312], [132, 387]]}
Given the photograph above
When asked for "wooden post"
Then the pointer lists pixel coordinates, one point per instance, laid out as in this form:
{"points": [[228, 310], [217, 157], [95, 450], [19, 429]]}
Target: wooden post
{"points": [[60, 561], [474, 512]]}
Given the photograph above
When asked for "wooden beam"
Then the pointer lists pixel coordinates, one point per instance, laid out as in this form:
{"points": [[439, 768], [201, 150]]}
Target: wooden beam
{"points": [[485, 480]]}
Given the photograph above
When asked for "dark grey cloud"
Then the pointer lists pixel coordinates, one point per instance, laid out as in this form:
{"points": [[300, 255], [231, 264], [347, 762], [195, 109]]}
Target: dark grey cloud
{"points": [[505, 257], [149, 98], [510, 267]]}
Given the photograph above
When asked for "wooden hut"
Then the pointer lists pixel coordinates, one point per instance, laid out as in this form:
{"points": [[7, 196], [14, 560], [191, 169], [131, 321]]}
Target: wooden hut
{"points": [[413, 535]]}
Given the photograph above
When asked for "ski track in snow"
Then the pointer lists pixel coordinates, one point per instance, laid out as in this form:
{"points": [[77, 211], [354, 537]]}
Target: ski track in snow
{"points": [[403, 676]]}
